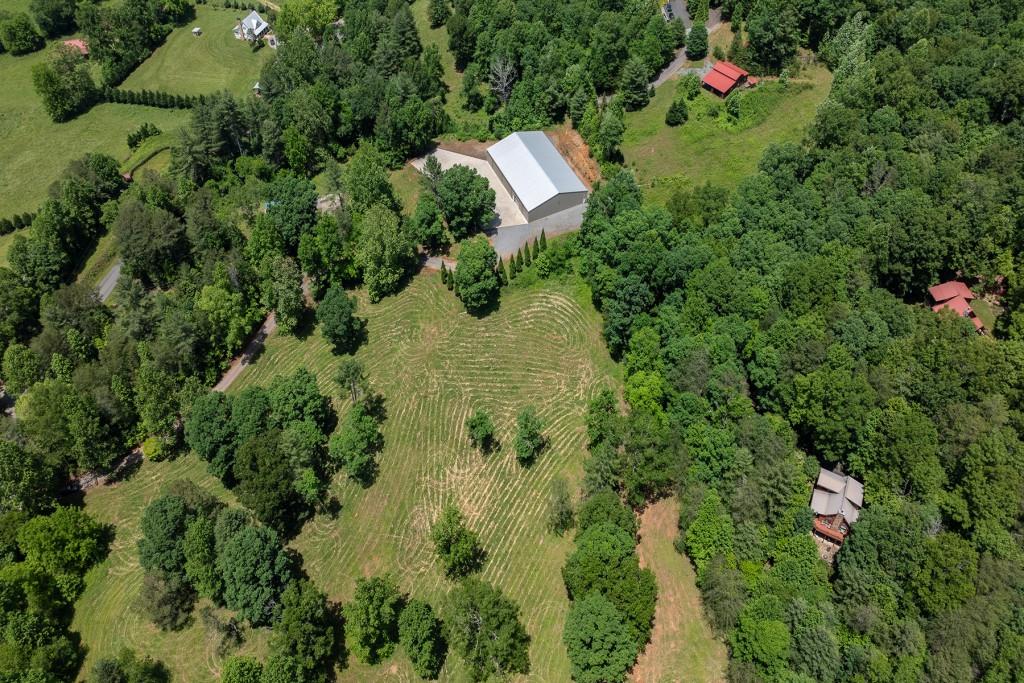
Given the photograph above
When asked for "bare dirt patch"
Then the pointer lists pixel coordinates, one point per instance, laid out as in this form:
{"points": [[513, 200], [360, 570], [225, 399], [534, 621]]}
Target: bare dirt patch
{"points": [[472, 148], [576, 152], [682, 646]]}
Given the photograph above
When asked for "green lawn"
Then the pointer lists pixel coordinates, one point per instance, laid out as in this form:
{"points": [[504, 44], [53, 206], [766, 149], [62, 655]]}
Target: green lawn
{"points": [[5, 245], [108, 616], [215, 61], [34, 150], [435, 364], [702, 150], [464, 124]]}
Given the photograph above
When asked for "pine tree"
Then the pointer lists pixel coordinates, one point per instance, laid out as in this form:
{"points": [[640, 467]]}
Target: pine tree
{"points": [[519, 260], [444, 274], [534, 250], [502, 274], [633, 85], [543, 241], [526, 255]]}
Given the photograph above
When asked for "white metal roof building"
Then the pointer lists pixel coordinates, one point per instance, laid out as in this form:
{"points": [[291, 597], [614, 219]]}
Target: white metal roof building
{"points": [[535, 174], [251, 27]]}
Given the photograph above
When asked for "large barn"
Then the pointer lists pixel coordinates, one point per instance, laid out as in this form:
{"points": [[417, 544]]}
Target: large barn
{"points": [[533, 171]]}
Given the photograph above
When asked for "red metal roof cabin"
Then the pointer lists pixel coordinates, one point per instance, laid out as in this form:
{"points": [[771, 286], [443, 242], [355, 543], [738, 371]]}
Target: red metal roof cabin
{"points": [[955, 296], [950, 290], [723, 77]]}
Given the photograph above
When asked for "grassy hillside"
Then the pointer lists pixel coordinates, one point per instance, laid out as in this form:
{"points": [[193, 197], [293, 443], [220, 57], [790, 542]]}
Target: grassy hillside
{"points": [[215, 61], [702, 150], [464, 123], [435, 364], [108, 616], [34, 150]]}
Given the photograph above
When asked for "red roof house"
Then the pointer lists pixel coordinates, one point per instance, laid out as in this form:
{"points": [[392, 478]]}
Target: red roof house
{"points": [[950, 290], [78, 44], [723, 77], [955, 296]]}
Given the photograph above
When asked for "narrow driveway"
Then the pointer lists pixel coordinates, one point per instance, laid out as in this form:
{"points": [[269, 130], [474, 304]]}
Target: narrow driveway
{"points": [[676, 66], [252, 350], [109, 281]]}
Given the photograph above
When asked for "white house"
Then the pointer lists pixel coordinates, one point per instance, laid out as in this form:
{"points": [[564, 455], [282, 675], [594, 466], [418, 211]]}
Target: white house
{"points": [[536, 175], [251, 27]]}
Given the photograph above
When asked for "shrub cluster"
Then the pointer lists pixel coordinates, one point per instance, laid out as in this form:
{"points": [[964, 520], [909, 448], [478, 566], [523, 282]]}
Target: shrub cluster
{"points": [[137, 136], [17, 222]]}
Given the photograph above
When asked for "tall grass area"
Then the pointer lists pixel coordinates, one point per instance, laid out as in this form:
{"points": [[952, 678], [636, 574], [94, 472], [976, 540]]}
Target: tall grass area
{"points": [[465, 124], [711, 147], [435, 365], [34, 150], [215, 61], [108, 614]]}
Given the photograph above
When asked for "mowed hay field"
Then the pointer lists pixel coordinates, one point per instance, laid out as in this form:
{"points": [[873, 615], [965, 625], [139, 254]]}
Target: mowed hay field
{"points": [[702, 150], [215, 61], [435, 364], [34, 150], [108, 615]]}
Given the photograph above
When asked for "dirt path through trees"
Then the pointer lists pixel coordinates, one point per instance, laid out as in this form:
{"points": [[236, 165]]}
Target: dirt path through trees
{"points": [[682, 646]]}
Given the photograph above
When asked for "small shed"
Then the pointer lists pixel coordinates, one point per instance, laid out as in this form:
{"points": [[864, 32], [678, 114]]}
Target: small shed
{"points": [[536, 175], [196, 31], [78, 45], [256, 90], [724, 77]]}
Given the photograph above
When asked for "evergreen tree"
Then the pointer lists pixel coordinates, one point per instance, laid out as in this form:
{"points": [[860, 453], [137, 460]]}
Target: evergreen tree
{"points": [[543, 241], [444, 274], [678, 112], [438, 12], [534, 251], [697, 42], [633, 85]]}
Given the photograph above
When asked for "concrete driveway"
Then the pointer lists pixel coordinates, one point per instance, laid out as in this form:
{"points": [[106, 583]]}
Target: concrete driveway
{"points": [[505, 206]]}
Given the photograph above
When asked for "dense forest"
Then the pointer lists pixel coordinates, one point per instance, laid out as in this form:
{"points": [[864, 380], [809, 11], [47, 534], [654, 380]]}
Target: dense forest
{"points": [[779, 328], [764, 333]]}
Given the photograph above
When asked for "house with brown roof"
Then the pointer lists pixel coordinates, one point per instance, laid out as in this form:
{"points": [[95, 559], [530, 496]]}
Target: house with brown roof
{"points": [[955, 296], [724, 77], [836, 501]]}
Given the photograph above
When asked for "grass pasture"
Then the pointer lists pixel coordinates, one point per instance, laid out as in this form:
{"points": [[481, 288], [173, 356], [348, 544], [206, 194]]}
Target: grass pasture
{"points": [[107, 615], [215, 61], [435, 364], [702, 149], [34, 150]]}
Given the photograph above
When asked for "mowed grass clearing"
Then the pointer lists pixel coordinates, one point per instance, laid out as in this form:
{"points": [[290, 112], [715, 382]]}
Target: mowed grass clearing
{"points": [[464, 123], [683, 648], [34, 150], [108, 615], [702, 150], [213, 62], [435, 365]]}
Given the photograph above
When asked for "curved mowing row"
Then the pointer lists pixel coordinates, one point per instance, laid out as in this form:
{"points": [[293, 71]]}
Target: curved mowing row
{"points": [[435, 365]]}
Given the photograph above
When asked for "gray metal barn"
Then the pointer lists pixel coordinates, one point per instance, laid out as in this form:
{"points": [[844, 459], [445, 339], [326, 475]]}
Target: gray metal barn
{"points": [[535, 174]]}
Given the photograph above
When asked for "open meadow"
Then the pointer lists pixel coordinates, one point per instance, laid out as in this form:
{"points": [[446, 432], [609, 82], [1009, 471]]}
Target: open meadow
{"points": [[107, 615], [214, 61], [34, 150], [434, 364], [702, 149]]}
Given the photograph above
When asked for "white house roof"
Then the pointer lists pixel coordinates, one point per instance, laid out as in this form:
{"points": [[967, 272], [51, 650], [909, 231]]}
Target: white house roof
{"points": [[534, 168], [837, 494], [254, 22]]}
